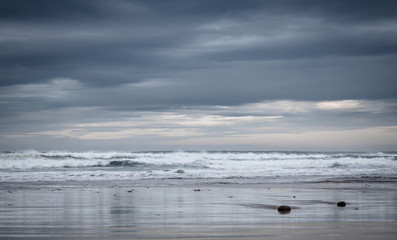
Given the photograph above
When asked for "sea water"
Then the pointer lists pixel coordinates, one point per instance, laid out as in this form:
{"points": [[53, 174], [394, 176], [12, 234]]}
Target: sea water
{"points": [[178, 166]]}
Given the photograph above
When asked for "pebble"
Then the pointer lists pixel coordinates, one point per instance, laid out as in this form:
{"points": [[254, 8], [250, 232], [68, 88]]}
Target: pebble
{"points": [[284, 209]]}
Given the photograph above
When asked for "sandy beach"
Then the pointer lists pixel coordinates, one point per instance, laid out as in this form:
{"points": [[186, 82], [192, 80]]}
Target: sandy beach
{"points": [[203, 211]]}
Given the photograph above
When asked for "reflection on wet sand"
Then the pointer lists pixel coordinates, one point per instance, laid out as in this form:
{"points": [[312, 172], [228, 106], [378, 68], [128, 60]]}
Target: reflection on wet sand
{"points": [[214, 212]]}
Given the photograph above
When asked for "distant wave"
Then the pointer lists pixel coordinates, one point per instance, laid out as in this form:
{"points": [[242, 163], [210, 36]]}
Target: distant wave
{"points": [[33, 165]]}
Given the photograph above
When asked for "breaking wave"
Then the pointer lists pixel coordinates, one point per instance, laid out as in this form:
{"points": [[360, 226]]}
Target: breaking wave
{"points": [[33, 165]]}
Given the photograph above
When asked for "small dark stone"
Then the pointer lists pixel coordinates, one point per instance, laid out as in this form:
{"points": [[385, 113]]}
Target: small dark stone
{"points": [[341, 204], [130, 190], [284, 209]]}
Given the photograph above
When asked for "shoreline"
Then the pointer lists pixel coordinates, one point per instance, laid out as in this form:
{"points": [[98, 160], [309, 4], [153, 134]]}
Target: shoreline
{"points": [[363, 181]]}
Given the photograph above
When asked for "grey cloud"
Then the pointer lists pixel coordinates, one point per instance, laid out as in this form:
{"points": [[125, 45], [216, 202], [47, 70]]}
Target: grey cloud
{"points": [[122, 58], [131, 37], [50, 10], [229, 84], [47, 10]]}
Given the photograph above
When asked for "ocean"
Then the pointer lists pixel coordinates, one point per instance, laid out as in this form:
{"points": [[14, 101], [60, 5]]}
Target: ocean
{"points": [[181, 167]]}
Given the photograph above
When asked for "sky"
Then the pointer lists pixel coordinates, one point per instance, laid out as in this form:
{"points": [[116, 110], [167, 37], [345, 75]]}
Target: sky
{"points": [[141, 75]]}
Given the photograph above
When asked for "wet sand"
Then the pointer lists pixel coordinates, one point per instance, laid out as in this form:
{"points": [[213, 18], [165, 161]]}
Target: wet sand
{"points": [[215, 211]]}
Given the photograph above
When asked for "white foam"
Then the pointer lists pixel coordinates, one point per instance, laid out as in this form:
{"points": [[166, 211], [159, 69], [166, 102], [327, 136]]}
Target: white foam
{"points": [[57, 165]]}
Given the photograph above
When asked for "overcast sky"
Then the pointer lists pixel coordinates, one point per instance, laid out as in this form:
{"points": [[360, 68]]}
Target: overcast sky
{"points": [[198, 75]]}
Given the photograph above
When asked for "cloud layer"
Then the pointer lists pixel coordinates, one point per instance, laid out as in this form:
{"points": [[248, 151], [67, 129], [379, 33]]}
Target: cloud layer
{"points": [[163, 74]]}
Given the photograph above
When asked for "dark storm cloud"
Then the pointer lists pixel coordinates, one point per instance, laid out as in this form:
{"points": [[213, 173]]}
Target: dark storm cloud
{"points": [[205, 52]]}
